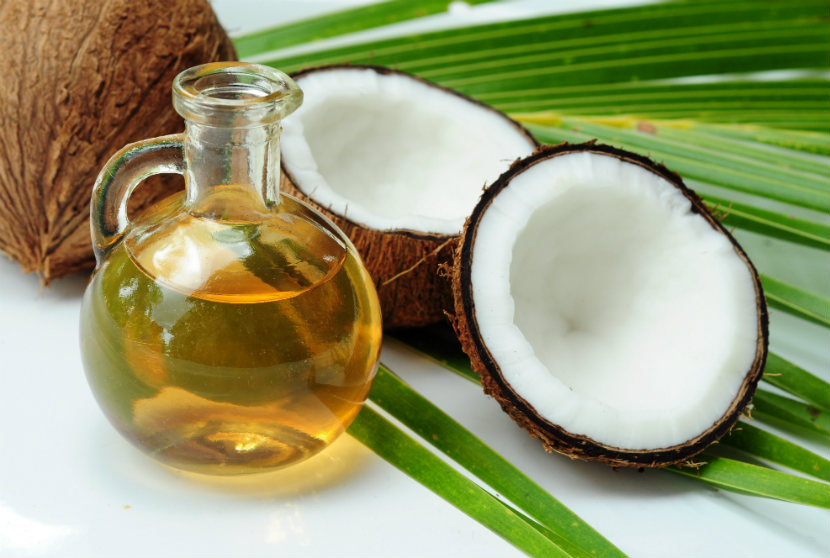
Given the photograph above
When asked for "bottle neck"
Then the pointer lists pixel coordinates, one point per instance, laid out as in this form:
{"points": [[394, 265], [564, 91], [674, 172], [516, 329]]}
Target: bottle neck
{"points": [[231, 168]]}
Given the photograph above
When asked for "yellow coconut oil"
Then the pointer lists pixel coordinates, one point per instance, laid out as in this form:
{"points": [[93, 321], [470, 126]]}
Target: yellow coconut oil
{"points": [[227, 337]]}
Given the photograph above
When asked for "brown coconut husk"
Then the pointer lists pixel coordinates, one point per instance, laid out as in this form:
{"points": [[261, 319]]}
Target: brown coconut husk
{"points": [[554, 437], [408, 267], [404, 265], [81, 80]]}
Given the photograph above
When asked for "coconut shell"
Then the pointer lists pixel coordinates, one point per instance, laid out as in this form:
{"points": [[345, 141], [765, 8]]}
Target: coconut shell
{"points": [[405, 266], [554, 437], [81, 80], [410, 268]]}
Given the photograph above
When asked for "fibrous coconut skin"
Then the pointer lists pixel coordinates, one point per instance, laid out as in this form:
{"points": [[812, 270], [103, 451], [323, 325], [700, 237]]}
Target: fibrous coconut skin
{"points": [[403, 256], [406, 267], [81, 79], [554, 436]]}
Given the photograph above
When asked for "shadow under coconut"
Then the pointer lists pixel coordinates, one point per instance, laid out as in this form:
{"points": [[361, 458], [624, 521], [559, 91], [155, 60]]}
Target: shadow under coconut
{"points": [[29, 285], [630, 483], [71, 286], [585, 477]]}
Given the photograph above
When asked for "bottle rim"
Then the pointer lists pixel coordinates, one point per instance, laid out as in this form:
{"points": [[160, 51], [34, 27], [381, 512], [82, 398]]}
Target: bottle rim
{"points": [[236, 94]]}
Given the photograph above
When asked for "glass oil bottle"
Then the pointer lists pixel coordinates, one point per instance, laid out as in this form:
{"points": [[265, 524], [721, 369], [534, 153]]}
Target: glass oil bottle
{"points": [[231, 328]]}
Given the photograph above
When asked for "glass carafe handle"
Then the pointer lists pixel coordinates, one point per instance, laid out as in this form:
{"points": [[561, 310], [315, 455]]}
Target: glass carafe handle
{"points": [[119, 177]]}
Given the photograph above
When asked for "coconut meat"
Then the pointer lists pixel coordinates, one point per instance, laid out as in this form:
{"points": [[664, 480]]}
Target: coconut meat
{"points": [[609, 306], [391, 152]]}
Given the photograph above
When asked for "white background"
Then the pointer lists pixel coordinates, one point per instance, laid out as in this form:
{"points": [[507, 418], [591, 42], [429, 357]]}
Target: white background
{"points": [[70, 486]]}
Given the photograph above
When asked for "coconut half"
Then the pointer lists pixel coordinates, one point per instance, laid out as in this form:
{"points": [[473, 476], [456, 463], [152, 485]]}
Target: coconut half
{"points": [[606, 309], [398, 163]]}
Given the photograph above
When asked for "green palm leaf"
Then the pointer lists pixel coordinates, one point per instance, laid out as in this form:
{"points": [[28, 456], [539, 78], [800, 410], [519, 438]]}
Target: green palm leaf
{"points": [[782, 409], [793, 379], [745, 478], [594, 35], [769, 223], [536, 61], [428, 421], [807, 142], [758, 442], [798, 302], [696, 162], [709, 101], [413, 459], [337, 23]]}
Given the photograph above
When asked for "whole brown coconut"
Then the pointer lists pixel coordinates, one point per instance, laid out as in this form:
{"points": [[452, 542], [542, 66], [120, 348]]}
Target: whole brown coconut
{"points": [[81, 79]]}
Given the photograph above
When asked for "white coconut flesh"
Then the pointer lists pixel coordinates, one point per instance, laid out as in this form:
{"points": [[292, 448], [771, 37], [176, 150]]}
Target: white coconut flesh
{"points": [[609, 306], [390, 152]]}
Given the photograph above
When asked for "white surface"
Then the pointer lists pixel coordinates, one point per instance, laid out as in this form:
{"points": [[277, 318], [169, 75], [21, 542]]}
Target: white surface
{"points": [[70, 486]]}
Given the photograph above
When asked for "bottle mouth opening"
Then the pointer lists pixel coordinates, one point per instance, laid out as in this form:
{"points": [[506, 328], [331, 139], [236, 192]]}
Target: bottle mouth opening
{"points": [[235, 94]]}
